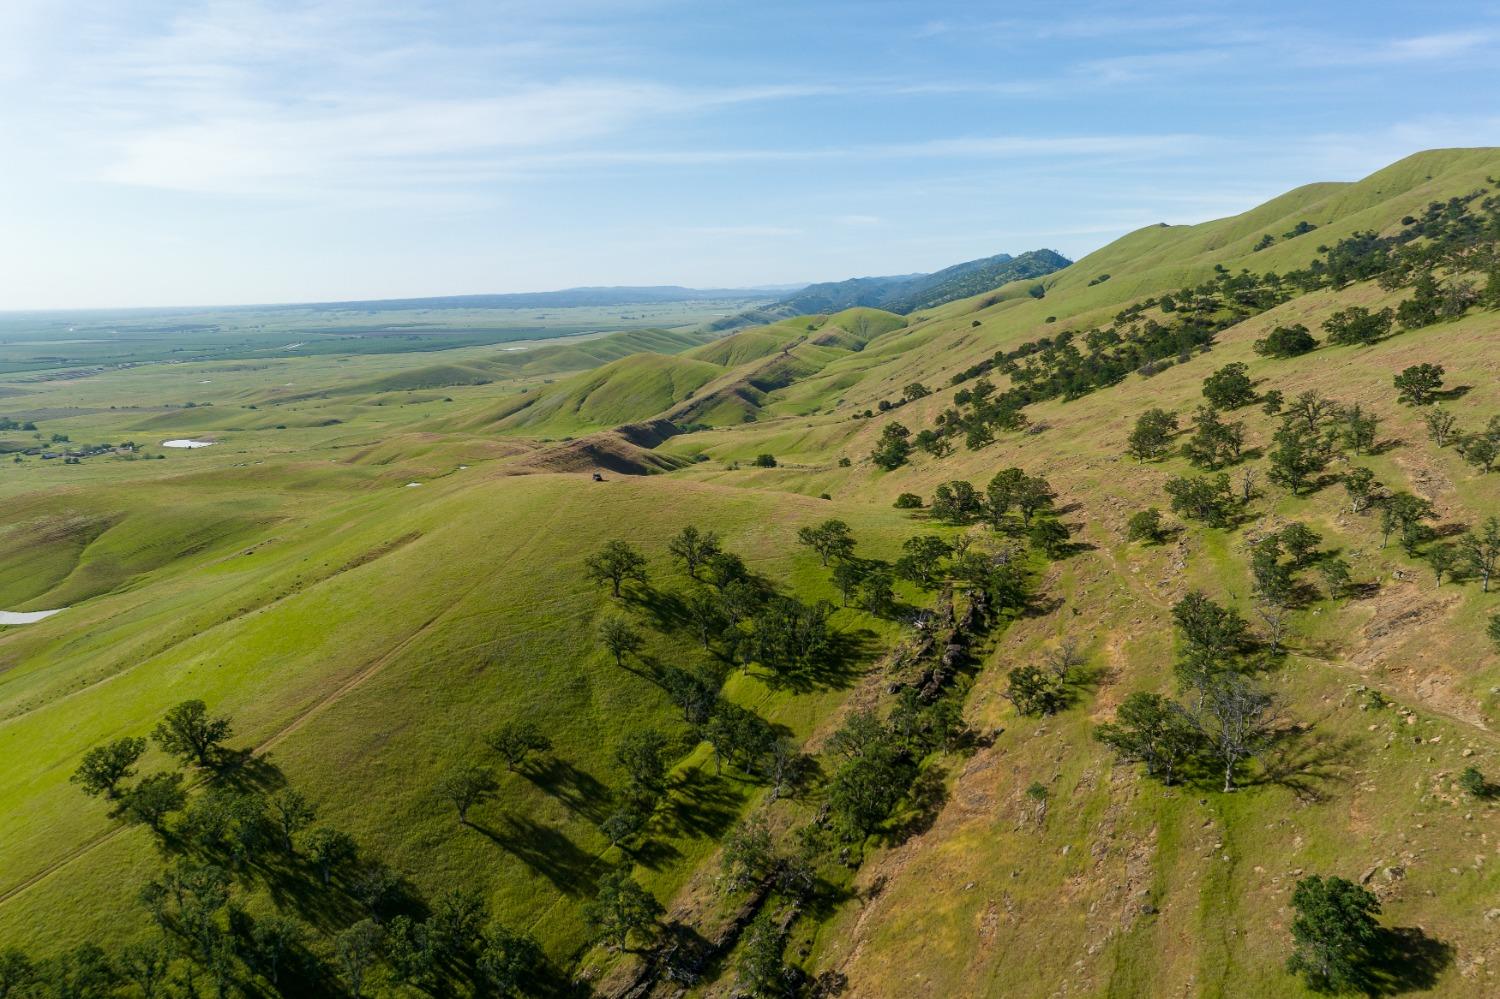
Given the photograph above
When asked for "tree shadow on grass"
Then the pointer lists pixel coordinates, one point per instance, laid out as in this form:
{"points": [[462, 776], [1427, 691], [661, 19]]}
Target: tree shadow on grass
{"points": [[1311, 487], [837, 669], [1301, 760], [548, 981], [297, 886], [241, 770], [1041, 606], [1322, 648], [700, 804], [1082, 680], [579, 791], [1303, 595], [924, 802], [665, 609], [1449, 530], [1068, 549], [1404, 959], [547, 851], [652, 854], [825, 898], [303, 976]]}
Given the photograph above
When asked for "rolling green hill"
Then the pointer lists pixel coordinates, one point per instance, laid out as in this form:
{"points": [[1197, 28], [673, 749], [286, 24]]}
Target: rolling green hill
{"points": [[376, 566], [622, 391]]}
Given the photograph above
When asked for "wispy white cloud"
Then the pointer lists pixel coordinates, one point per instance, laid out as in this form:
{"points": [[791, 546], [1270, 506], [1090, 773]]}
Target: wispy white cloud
{"points": [[733, 231], [1426, 47], [264, 149], [248, 98], [439, 144], [1452, 46], [980, 147], [1136, 68]]}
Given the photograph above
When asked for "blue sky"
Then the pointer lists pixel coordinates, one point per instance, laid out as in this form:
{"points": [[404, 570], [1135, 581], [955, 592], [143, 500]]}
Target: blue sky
{"points": [[184, 152]]}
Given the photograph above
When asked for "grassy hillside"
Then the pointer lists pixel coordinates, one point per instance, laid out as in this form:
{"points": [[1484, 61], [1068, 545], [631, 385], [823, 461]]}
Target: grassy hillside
{"points": [[488, 623], [622, 391], [374, 565]]}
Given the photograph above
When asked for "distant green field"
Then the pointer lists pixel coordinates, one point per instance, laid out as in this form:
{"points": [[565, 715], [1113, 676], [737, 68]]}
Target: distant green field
{"points": [[41, 342]]}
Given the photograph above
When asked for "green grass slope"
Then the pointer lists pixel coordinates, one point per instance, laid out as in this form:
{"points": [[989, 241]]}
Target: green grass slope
{"points": [[633, 388], [367, 599], [364, 650]]}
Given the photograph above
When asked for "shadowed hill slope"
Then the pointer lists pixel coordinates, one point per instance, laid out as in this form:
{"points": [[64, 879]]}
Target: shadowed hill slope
{"points": [[907, 293]]}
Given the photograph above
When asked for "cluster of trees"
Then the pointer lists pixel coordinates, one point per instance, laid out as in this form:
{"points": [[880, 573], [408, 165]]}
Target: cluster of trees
{"points": [[1433, 301], [1312, 432], [1152, 434], [188, 732], [1473, 555], [1215, 443], [1010, 491], [1013, 503], [340, 919], [1211, 499], [1268, 240], [1405, 516], [205, 942], [871, 763], [893, 447], [1480, 448], [1224, 718], [742, 621], [1450, 236], [1276, 558], [1044, 688], [1056, 366], [977, 414], [874, 762], [873, 768], [1357, 325], [727, 607], [1050, 367]]}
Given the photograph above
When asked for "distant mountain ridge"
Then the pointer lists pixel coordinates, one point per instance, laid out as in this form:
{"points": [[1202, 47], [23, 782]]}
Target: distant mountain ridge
{"points": [[899, 293], [906, 293]]}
